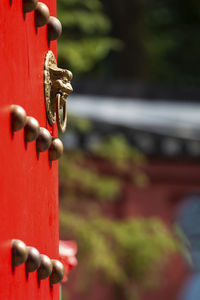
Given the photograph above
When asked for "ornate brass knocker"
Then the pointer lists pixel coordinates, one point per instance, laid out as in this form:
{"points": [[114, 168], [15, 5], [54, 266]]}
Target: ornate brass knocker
{"points": [[57, 87]]}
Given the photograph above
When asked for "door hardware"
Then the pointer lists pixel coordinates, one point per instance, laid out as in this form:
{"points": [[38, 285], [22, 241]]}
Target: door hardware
{"points": [[19, 253], [43, 141], [34, 260], [18, 118], [56, 149], [41, 14], [54, 29], [31, 129], [45, 268], [58, 272], [57, 87]]}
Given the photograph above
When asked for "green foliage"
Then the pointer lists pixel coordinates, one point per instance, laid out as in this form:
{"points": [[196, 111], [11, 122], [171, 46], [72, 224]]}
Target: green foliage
{"points": [[85, 39], [116, 149], [102, 187], [125, 254], [121, 251], [80, 124], [140, 179], [171, 40], [160, 39]]}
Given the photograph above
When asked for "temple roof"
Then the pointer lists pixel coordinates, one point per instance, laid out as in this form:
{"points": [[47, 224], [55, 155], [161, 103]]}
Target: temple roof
{"points": [[176, 119], [166, 128]]}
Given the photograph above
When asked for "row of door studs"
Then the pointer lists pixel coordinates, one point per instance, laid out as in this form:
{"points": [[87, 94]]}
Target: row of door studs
{"points": [[33, 131], [34, 261], [42, 18]]}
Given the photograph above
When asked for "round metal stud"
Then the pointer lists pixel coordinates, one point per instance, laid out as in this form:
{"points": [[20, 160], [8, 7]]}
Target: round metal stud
{"points": [[29, 5], [56, 149], [58, 272], [54, 29], [44, 139], [19, 253], [32, 129], [45, 268], [41, 14], [33, 260], [18, 117]]}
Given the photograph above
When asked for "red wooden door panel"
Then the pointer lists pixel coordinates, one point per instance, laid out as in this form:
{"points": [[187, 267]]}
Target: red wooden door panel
{"points": [[28, 184]]}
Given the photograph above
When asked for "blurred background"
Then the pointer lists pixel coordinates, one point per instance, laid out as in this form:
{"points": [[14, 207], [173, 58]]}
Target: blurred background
{"points": [[130, 175]]}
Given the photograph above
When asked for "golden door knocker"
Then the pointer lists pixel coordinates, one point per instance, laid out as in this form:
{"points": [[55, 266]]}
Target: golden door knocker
{"points": [[57, 87]]}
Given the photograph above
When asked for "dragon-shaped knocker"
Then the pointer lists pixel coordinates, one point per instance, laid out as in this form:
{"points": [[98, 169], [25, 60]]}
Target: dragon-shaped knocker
{"points": [[57, 87]]}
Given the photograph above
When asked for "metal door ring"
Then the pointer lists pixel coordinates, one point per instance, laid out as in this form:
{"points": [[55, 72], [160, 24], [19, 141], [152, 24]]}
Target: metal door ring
{"points": [[61, 121]]}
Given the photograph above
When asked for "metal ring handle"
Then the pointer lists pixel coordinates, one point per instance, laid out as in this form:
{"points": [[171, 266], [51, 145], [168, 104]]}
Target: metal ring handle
{"points": [[62, 124]]}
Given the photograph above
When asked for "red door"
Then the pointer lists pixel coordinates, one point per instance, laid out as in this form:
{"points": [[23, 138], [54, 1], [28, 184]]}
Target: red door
{"points": [[28, 182]]}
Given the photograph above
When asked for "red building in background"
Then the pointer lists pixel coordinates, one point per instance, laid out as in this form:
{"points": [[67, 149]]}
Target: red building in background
{"points": [[167, 133]]}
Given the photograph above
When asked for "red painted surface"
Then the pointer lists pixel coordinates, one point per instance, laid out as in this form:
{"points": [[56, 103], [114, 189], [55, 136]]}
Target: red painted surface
{"points": [[28, 185]]}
